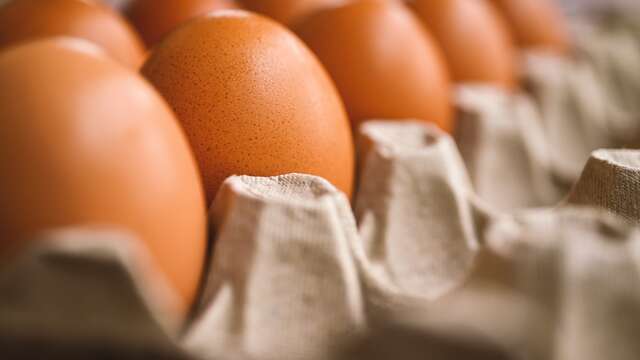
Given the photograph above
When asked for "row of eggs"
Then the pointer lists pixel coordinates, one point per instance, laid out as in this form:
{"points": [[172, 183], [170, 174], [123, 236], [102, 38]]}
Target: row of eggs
{"points": [[86, 139]]}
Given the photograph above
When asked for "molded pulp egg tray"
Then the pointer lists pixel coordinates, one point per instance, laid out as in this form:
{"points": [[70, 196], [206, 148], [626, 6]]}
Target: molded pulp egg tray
{"points": [[514, 239]]}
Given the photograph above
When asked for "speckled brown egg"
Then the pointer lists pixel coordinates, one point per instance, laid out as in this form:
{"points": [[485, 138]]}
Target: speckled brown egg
{"points": [[86, 141], [384, 63], [22, 20], [253, 100], [536, 24], [155, 18], [474, 38], [288, 11]]}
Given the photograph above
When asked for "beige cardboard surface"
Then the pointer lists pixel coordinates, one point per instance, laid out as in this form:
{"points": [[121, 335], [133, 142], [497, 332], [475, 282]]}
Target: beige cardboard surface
{"points": [[282, 283], [415, 222], [611, 180], [70, 298], [505, 149]]}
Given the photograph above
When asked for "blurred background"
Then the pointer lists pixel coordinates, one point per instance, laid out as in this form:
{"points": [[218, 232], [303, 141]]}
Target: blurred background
{"points": [[571, 6]]}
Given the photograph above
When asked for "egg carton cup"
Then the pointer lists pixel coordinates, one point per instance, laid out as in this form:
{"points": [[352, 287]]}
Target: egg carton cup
{"points": [[515, 238], [541, 140], [83, 293]]}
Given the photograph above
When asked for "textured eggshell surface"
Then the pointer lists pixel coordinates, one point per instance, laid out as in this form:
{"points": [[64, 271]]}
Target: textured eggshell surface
{"points": [[22, 20], [288, 11], [384, 63], [253, 100], [536, 24], [86, 141], [155, 18], [474, 38]]}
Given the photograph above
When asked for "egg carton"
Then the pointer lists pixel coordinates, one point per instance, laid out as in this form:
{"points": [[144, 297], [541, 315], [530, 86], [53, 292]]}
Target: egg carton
{"points": [[293, 275], [511, 239]]}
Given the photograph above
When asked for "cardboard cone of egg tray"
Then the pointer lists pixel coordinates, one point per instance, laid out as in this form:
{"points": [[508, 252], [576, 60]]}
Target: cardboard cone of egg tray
{"points": [[85, 294], [518, 240]]}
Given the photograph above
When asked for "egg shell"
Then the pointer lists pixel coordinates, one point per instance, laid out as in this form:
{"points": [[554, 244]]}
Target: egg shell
{"points": [[288, 11], [536, 24], [22, 20], [474, 38], [155, 18], [86, 141], [384, 63], [253, 100]]}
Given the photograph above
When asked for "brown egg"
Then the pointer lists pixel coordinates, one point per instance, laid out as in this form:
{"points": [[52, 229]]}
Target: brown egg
{"points": [[85, 141], [155, 18], [288, 11], [475, 40], [253, 100], [28, 19], [384, 63], [537, 24]]}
